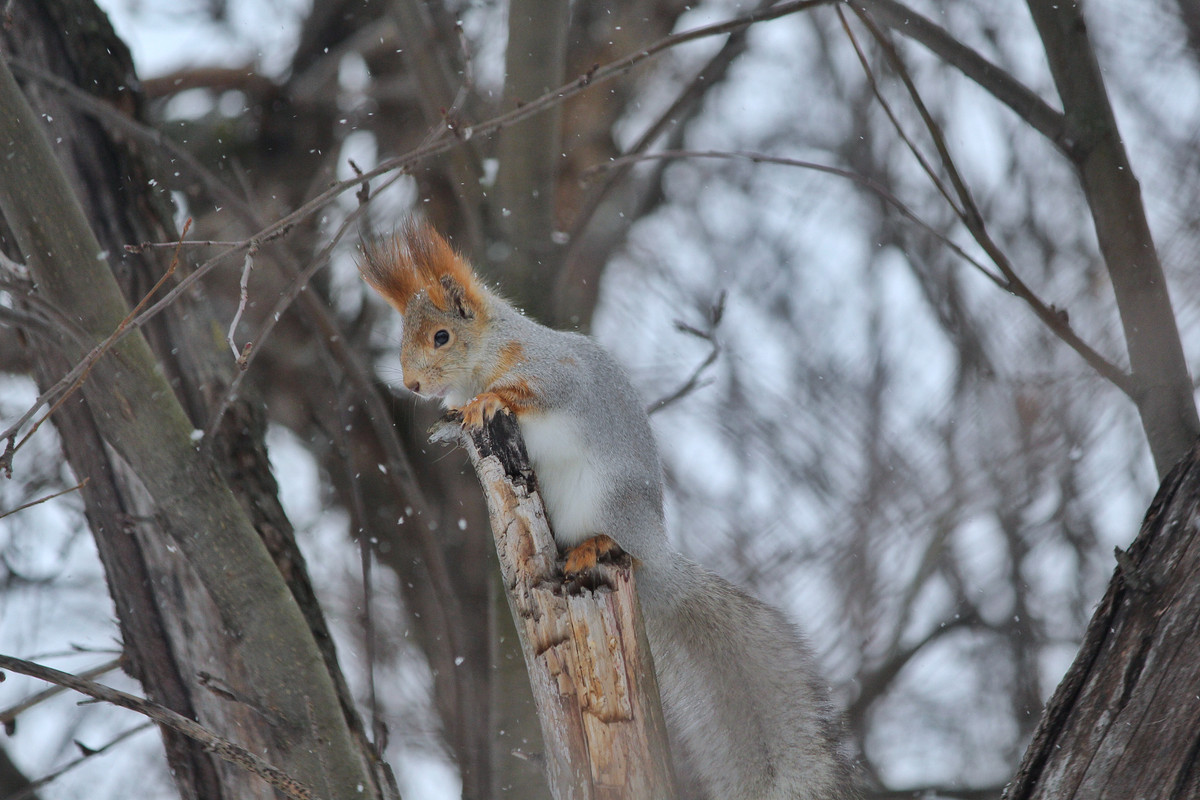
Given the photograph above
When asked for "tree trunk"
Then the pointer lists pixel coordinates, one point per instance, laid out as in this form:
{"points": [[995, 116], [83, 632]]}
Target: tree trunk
{"points": [[151, 497], [586, 649], [1125, 721]]}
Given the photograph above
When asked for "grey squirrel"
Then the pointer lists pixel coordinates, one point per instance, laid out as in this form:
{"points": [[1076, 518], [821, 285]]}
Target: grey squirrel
{"points": [[745, 710]]}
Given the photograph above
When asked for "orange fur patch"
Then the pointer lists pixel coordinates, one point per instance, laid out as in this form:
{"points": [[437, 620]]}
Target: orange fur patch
{"points": [[516, 396], [481, 409], [511, 354], [416, 258], [584, 556]]}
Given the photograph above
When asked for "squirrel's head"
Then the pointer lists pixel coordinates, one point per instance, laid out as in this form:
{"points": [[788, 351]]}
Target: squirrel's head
{"points": [[443, 305]]}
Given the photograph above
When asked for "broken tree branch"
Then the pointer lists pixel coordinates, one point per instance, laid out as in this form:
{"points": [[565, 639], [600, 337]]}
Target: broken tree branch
{"points": [[586, 650]]}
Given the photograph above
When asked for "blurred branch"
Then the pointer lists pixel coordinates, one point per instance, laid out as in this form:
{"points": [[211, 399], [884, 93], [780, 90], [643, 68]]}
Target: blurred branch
{"points": [[926, 167], [444, 140], [522, 204], [223, 748], [1161, 386], [86, 753], [442, 106], [8, 717], [874, 683], [1000, 84], [40, 500], [709, 334], [243, 78], [588, 249], [867, 183], [1054, 318], [297, 287]]}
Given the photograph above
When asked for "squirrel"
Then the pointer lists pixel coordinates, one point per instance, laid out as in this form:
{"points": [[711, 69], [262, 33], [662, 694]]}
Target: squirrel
{"points": [[745, 711]]}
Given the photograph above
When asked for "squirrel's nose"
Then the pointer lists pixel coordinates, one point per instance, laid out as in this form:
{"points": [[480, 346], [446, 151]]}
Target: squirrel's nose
{"points": [[413, 386]]}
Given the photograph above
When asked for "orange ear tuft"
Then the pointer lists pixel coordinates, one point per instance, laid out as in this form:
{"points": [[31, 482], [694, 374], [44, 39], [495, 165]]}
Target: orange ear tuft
{"points": [[416, 258]]}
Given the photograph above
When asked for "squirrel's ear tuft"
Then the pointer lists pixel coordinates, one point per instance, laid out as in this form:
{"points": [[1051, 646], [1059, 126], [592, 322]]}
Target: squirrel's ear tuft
{"points": [[416, 258]]}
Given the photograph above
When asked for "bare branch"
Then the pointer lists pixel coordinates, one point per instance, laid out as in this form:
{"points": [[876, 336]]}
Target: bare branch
{"points": [[86, 753], [74, 379], [1001, 85], [443, 140], [8, 716], [222, 748], [285, 300], [48, 497], [243, 296], [1054, 318], [887, 109], [867, 183], [709, 334]]}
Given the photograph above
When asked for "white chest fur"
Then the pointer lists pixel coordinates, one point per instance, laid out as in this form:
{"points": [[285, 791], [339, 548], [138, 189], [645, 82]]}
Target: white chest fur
{"points": [[573, 486]]}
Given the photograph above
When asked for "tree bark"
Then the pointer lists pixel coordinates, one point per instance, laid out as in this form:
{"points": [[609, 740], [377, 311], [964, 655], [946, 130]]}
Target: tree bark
{"points": [[1125, 721], [586, 650], [522, 211], [152, 495]]}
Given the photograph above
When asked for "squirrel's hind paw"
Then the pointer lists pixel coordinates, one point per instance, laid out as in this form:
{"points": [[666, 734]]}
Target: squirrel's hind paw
{"points": [[583, 558]]}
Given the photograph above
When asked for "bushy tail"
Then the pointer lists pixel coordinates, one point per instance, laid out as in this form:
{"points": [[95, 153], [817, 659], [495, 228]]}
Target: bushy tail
{"points": [[746, 712]]}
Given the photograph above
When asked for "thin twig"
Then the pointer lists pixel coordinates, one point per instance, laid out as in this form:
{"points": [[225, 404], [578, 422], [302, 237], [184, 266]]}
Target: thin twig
{"points": [[223, 748], [41, 500], [1054, 318], [243, 297], [709, 334], [8, 717], [1040, 115], [358, 520], [254, 346], [673, 118], [891, 115], [85, 753], [862, 180], [143, 246], [74, 379]]}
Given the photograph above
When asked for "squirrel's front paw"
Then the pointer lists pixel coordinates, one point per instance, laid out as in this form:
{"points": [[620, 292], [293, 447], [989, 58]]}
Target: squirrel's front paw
{"points": [[481, 409], [583, 557]]}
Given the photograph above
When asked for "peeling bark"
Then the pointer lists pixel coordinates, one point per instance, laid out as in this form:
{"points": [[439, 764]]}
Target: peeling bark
{"points": [[586, 649]]}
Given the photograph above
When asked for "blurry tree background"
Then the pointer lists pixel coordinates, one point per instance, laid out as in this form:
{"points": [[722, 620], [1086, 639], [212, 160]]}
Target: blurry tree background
{"points": [[887, 445]]}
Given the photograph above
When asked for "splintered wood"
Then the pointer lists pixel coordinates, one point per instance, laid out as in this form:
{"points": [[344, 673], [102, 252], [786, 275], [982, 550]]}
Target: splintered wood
{"points": [[586, 650]]}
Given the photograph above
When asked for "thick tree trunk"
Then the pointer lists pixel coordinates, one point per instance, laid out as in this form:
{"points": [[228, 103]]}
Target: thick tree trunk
{"points": [[149, 498], [1125, 721]]}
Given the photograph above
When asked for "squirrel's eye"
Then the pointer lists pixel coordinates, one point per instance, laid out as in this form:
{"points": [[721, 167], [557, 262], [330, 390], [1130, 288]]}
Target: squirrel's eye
{"points": [[440, 338]]}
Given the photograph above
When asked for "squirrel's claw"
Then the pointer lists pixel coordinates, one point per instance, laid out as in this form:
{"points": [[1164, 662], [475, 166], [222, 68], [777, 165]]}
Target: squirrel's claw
{"points": [[481, 409], [583, 558]]}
